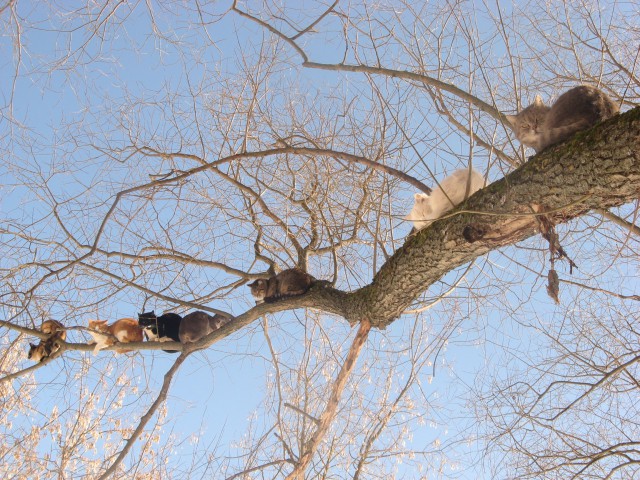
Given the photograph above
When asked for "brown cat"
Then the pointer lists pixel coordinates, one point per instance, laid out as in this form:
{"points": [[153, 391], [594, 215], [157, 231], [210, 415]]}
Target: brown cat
{"points": [[198, 324], [287, 283], [44, 349], [51, 345], [124, 330], [539, 126]]}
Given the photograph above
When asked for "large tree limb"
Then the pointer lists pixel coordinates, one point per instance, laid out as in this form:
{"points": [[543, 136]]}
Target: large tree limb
{"points": [[599, 169]]}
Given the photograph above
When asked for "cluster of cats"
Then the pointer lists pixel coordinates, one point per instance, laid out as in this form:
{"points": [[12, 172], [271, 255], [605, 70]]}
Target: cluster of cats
{"points": [[538, 126], [169, 327]]}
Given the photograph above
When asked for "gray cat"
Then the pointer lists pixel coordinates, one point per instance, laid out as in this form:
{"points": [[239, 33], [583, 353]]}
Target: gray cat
{"points": [[199, 324], [539, 126], [287, 283]]}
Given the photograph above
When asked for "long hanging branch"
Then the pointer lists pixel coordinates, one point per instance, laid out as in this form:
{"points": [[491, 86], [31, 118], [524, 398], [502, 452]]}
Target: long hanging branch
{"points": [[332, 405], [168, 377]]}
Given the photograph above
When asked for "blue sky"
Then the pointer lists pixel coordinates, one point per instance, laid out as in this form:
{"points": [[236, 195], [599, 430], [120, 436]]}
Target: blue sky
{"points": [[128, 76]]}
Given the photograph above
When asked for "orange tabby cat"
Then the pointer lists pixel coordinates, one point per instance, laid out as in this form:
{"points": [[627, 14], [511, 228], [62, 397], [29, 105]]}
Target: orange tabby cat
{"points": [[124, 330]]}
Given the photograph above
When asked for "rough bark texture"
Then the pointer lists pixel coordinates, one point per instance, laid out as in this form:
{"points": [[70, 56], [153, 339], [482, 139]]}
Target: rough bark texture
{"points": [[597, 169]]}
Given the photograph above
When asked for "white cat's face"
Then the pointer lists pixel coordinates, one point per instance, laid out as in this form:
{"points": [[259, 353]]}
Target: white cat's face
{"points": [[422, 212], [421, 207]]}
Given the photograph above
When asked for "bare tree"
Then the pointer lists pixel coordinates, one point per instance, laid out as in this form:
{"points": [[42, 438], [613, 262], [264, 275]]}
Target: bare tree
{"points": [[161, 156]]}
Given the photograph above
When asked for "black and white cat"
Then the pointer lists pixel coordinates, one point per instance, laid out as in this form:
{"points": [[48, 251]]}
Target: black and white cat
{"points": [[164, 328]]}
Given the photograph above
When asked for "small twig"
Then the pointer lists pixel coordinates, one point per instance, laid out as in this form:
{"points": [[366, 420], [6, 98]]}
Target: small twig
{"points": [[619, 221], [302, 412]]}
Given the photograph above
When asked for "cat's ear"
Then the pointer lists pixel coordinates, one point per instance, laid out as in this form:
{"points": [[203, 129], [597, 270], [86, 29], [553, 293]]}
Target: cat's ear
{"points": [[32, 345], [538, 101], [512, 119]]}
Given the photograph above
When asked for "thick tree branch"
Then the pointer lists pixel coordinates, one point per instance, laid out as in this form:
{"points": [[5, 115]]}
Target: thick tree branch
{"points": [[599, 168]]}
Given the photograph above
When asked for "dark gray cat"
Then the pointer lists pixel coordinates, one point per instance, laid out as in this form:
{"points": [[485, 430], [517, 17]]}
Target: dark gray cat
{"points": [[539, 126], [199, 324], [287, 283]]}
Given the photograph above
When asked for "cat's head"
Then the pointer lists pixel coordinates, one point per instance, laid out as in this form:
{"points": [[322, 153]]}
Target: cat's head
{"points": [[528, 123], [147, 318], [258, 290], [149, 323], [36, 352], [99, 325], [421, 207]]}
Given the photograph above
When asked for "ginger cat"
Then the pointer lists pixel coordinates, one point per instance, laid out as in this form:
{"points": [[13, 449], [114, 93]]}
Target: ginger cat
{"points": [[124, 330]]}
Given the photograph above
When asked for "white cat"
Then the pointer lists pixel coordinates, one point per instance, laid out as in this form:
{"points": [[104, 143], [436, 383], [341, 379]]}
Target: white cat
{"points": [[450, 193]]}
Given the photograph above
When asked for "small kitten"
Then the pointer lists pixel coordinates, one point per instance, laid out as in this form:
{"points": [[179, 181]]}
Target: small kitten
{"points": [[50, 327], [199, 324], [539, 126], [164, 328], [287, 283], [51, 345], [124, 330], [45, 349], [443, 198]]}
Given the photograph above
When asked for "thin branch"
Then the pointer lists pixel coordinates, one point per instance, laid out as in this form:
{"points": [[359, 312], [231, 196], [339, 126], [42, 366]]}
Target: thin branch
{"points": [[332, 405], [147, 416], [620, 221]]}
